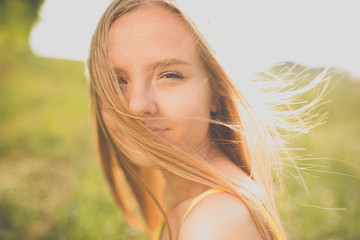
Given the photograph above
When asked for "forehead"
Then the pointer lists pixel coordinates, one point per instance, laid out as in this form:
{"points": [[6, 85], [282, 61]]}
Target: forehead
{"points": [[150, 32]]}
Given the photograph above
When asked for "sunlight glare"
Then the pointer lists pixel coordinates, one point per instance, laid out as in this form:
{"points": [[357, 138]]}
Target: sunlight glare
{"points": [[246, 35]]}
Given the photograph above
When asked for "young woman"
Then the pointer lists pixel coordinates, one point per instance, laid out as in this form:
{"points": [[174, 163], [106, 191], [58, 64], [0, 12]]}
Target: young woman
{"points": [[186, 156]]}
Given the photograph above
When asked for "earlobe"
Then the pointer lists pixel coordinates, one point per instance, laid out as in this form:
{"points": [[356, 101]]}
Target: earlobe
{"points": [[213, 108], [213, 111]]}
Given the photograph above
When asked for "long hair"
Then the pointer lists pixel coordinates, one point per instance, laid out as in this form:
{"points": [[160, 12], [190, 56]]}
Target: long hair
{"points": [[251, 143]]}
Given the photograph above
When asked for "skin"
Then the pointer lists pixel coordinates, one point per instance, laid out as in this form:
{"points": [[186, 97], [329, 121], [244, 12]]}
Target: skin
{"points": [[166, 80], [162, 77]]}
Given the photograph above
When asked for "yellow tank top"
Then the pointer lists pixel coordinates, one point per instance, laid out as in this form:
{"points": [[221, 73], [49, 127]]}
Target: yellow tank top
{"points": [[253, 197]]}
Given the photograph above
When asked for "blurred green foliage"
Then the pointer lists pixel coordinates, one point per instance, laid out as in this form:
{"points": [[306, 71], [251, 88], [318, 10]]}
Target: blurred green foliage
{"points": [[327, 207], [16, 20], [51, 186]]}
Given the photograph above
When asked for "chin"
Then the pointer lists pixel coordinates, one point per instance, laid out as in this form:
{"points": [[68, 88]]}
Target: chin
{"points": [[141, 160]]}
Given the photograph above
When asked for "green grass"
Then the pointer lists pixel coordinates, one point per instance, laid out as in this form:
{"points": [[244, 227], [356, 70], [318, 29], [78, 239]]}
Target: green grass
{"points": [[330, 208], [51, 185]]}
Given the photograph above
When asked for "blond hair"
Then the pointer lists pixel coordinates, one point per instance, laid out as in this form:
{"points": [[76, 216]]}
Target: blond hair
{"points": [[249, 142]]}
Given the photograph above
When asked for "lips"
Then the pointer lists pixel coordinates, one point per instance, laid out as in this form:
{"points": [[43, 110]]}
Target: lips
{"points": [[157, 127], [158, 130]]}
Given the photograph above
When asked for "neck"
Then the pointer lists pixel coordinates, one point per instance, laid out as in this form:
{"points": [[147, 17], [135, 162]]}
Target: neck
{"points": [[180, 189]]}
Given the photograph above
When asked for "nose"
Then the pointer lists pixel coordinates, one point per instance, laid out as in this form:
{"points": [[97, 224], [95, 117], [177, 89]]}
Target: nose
{"points": [[141, 102]]}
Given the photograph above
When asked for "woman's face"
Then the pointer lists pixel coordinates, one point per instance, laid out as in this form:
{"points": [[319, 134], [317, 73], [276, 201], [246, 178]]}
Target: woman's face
{"points": [[161, 75]]}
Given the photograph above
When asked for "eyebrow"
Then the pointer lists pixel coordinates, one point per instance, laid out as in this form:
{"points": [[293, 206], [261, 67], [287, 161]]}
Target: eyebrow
{"points": [[168, 62], [159, 64]]}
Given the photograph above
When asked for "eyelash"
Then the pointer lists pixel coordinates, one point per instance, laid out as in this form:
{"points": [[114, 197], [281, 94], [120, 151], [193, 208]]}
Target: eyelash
{"points": [[173, 75], [121, 80]]}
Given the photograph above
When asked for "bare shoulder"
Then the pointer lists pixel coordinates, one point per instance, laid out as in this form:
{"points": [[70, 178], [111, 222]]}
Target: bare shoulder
{"points": [[219, 216]]}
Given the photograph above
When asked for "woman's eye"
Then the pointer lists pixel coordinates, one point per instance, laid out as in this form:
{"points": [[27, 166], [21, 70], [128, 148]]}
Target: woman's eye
{"points": [[121, 80], [172, 75]]}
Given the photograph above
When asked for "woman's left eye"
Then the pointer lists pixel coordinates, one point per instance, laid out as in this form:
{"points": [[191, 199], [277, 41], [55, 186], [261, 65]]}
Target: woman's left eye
{"points": [[172, 75]]}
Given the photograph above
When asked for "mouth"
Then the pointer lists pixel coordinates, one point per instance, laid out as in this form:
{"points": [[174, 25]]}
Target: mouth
{"points": [[159, 130]]}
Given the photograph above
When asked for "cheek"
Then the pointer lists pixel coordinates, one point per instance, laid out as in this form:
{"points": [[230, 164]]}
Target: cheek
{"points": [[108, 121], [189, 117], [134, 153], [191, 100]]}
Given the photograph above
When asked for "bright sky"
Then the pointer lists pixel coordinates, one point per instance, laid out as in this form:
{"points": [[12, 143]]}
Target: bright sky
{"points": [[247, 34]]}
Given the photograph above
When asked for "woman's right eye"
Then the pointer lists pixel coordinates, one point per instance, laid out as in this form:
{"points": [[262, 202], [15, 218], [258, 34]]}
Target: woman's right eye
{"points": [[121, 80]]}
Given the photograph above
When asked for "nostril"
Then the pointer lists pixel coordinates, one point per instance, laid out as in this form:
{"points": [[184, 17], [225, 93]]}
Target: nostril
{"points": [[142, 104]]}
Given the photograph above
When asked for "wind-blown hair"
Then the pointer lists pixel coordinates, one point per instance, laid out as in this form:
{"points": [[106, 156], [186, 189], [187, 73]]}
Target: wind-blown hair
{"points": [[252, 144]]}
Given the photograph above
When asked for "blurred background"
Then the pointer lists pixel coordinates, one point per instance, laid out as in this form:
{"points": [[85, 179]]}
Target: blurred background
{"points": [[51, 185]]}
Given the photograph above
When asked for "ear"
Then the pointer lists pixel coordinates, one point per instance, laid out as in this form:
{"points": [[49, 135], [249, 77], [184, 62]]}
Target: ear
{"points": [[213, 107]]}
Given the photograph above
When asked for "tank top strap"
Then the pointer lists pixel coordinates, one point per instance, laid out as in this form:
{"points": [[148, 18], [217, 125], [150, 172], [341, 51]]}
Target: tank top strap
{"points": [[159, 230], [193, 203], [265, 211], [256, 200], [197, 199]]}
